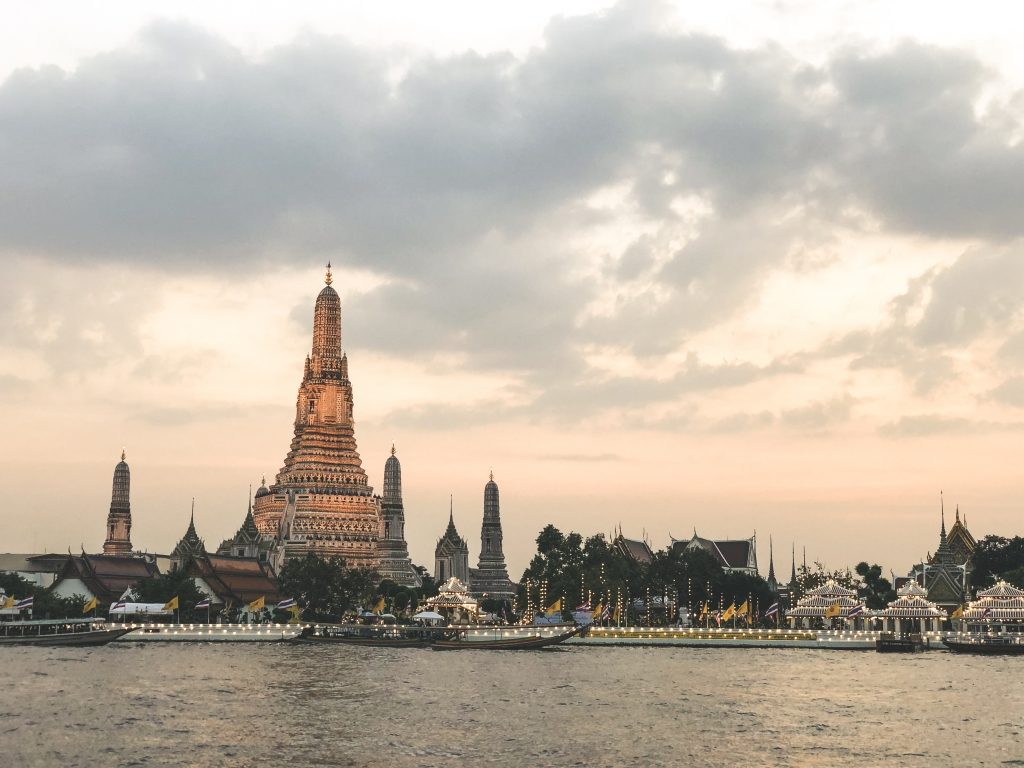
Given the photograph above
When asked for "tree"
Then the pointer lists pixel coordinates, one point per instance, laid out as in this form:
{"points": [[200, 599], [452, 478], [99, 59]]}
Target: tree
{"points": [[325, 588], [876, 591], [177, 583], [996, 557]]}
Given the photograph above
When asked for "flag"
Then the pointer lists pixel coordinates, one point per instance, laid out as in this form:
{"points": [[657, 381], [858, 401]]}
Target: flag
{"points": [[773, 609], [9, 602], [729, 612], [90, 606], [555, 608], [598, 613], [378, 606], [286, 604], [857, 610], [257, 604], [833, 610], [704, 610], [987, 613], [172, 604], [117, 606], [583, 606], [615, 615], [204, 603], [744, 609], [294, 611], [25, 602], [958, 613]]}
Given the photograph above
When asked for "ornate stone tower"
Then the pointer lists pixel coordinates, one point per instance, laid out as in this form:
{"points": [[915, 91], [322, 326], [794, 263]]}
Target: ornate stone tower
{"points": [[451, 556], [320, 501], [119, 518], [189, 546], [491, 575], [394, 552]]}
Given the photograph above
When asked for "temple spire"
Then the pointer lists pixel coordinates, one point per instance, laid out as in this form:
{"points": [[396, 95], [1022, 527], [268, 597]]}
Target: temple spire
{"points": [[328, 279], [771, 560], [119, 518]]}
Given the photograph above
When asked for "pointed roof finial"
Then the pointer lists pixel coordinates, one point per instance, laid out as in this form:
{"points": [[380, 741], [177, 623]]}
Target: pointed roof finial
{"points": [[192, 518], [328, 279], [263, 480], [451, 508], [250, 497], [492, 474], [122, 453], [392, 447]]}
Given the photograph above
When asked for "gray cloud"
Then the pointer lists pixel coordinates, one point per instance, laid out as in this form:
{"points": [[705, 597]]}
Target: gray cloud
{"points": [[929, 424], [464, 179]]}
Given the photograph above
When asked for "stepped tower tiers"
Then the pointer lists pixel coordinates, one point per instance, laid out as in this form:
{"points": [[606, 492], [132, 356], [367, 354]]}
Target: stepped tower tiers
{"points": [[320, 501], [391, 547], [451, 555], [119, 518], [491, 575]]}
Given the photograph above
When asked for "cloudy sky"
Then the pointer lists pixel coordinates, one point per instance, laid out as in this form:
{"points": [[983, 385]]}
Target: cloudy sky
{"points": [[750, 267]]}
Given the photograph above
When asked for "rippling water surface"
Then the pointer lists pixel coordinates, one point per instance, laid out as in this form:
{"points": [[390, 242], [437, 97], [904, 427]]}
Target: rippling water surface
{"points": [[242, 705]]}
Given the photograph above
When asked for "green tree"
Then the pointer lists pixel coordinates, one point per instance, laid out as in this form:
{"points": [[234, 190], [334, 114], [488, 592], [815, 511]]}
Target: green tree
{"points": [[177, 583], [996, 557], [325, 588], [876, 591]]}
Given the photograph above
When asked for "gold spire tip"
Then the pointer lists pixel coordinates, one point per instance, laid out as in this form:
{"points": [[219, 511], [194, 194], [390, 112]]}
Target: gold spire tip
{"points": [[122, 453], [328, 279]]}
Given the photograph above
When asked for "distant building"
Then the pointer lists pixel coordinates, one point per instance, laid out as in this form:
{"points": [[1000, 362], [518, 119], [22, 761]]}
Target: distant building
{"points": [[190, 545], [943, 577], [454, 602], [320, 501], [40, 570], [637, 550], [233, 582], [247, 541], [119, 518], [105, 577], [451, 555], [490, 577], [392, 548], [734, 555]]}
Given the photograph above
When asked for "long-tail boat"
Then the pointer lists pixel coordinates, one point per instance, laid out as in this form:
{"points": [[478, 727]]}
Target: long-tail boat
{"points": [[53, 632], [461, 642]]}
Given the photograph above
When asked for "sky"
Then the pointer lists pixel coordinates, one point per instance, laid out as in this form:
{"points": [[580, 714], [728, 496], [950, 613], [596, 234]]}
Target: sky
{"points": [[755, 267]]}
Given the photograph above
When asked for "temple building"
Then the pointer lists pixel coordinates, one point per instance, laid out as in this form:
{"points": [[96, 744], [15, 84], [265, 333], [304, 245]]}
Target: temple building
{"points": [[997, 609], [119, 518], [232, 582], [773, 583], [321, 501], [105, 577], [637, 550], [818, 604], [454, 602], [451, 555], [490, 577], [944, 577], [734, 555], [960, 541], [189, 546], [911, 611], [247, 541], [392, 548]]}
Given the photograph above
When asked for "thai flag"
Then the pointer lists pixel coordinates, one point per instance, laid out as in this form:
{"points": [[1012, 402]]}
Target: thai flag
{"points": [[24, 603], [116, 607], [289, 603], [855, 611], [772, 610], [204, 603], [584, 607], [987, 613]]}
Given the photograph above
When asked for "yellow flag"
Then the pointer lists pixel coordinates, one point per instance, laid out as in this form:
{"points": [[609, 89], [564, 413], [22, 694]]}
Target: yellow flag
{"points": [[90, 606], [958, 613], [833, 611], [597, 612], [295, 611], [378, 606], [555, 607], [729, 612], [257, 604], [172, 604], [9, 602], [704, 610], [744, 609]]}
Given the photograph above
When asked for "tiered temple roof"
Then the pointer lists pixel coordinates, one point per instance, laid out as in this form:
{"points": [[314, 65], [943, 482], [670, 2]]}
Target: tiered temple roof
{"points": [[320, 501], [736, 555], [912, 603], [816, 602], [105, 577], [1003, 602], [234, 581], [453, 596]]}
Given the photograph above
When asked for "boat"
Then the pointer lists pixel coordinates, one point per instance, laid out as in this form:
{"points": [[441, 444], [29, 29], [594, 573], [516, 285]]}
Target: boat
{"points": [[1001, 645], [59, 632], [389, 636], [887, 642], [460, 642]]}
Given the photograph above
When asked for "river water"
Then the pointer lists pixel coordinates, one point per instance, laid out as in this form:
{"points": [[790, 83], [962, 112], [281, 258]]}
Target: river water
{"points": [[299, 705]]}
